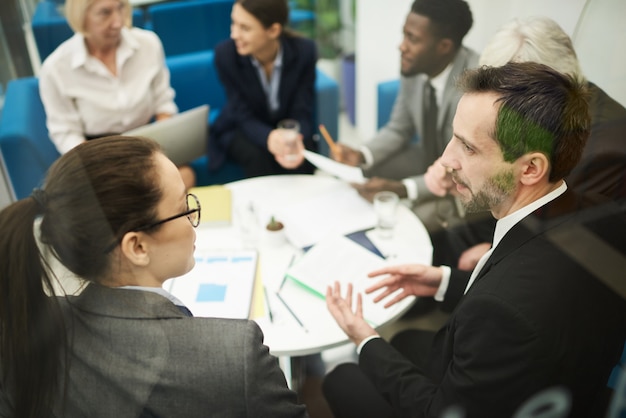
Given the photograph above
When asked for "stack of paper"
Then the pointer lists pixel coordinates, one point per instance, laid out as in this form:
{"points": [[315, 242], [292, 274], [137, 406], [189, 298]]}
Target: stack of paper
{"points": [[338, 258], [216, 203]]}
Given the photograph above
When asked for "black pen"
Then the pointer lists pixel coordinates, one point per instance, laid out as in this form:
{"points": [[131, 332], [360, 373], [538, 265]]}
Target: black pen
{"points": [[291, 312], [267, 302], [293, 257]]}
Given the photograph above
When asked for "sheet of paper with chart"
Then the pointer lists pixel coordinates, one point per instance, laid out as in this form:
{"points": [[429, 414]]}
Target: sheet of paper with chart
{"points": [[220, 284], [338, 258]]}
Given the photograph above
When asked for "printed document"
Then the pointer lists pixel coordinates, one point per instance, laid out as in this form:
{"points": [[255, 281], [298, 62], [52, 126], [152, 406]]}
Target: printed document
{"points": [[338, 258], [220, 285]]}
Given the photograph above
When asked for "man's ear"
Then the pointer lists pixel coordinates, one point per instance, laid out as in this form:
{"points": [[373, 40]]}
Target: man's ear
{"points": [[275, 30], [534, 167], [445, 46], [135, 248]]}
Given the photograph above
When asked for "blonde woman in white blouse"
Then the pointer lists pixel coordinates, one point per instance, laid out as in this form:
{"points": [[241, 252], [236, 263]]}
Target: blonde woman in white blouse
{"points": [[106, 79]]}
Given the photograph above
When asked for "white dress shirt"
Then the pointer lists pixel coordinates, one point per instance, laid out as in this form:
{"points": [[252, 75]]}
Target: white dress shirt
{"points": [[81, 97]]}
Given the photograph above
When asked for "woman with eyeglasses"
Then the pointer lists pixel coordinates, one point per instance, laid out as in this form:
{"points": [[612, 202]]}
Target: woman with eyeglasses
{"points": [[115, 212]]}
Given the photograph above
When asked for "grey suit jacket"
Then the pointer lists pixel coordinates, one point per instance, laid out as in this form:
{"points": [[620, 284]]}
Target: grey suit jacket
{"points": [[395, 156], [134, 354]]}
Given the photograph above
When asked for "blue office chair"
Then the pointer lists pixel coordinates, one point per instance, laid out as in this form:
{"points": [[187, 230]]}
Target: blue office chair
{"points": [[24, 141]]}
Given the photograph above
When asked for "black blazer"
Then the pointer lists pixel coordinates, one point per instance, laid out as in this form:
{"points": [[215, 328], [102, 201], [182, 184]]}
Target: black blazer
{"points": [[534, 318], [246, 108]]}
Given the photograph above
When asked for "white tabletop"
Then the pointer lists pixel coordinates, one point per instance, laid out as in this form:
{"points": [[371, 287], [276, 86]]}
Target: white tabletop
{"points": [[271, 195]]}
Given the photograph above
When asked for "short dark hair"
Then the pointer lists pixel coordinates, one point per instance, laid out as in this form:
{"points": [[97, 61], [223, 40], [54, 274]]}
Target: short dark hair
{"points": [[450, 19], [541, 110]]}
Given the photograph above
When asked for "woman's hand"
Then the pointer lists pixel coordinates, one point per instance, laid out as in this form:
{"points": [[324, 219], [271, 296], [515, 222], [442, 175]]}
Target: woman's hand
{"points": [[289, 154]]}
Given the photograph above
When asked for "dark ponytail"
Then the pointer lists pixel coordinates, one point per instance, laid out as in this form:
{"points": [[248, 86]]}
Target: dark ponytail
{"points": [[32, 332]]}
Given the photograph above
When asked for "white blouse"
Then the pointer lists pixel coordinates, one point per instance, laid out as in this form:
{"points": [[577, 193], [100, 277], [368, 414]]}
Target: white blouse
{"points": [[81, 97]]}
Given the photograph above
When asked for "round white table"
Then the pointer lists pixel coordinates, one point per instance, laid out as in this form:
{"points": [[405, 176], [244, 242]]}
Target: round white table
{"points": [[312, 197]]}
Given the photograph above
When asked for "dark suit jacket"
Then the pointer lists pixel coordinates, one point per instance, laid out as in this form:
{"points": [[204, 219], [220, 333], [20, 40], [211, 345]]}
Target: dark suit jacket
{"points": [[602, 167], [534, 318], [246, 110], [133, 353]]}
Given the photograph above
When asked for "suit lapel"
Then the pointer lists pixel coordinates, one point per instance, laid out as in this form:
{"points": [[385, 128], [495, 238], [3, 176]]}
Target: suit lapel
{"points": [[253, 85], [450, 92], [546, 217], [286, 77]]}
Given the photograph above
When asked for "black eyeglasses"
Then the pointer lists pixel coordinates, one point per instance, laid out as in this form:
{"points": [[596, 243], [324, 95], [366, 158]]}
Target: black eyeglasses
{"points": [[192, 213]]}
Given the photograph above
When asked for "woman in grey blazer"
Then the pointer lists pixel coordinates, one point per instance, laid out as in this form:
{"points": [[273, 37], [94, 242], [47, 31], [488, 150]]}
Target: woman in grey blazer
{"points": [[115, 212]]}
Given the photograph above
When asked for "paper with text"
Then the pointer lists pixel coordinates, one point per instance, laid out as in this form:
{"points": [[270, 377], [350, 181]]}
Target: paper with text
{"points": [[338, 258]]}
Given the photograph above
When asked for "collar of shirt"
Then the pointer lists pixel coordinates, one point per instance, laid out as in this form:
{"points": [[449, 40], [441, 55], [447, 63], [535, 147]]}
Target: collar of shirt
{"points": [[271, 86], [81, 56], [505, 224], [439, 83], [158, 290]]}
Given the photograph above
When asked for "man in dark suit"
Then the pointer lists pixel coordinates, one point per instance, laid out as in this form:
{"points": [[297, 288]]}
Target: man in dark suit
{"points": [[530, 316]]}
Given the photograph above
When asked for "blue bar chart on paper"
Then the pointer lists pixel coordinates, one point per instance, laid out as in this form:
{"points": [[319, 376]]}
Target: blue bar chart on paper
{"points": [[220, 284]]}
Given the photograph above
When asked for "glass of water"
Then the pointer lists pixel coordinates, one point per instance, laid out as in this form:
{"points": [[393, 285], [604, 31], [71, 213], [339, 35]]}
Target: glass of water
{"points": [[386, 207]]}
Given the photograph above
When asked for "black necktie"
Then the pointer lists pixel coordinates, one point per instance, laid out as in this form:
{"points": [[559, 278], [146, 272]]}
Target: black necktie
{"points": [[431, 137], [184, 310]]}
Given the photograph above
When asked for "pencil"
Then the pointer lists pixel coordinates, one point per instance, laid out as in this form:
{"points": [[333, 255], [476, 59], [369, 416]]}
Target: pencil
{"points": [[329, 140], [292, 312]]}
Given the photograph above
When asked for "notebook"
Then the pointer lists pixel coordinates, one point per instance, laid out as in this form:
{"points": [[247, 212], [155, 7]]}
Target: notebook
{"points": [[183, 137]]}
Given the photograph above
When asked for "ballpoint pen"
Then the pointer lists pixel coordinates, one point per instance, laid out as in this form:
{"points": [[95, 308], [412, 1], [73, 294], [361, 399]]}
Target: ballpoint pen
{"points": [[293, 257], [292, 312], [269, 307]]}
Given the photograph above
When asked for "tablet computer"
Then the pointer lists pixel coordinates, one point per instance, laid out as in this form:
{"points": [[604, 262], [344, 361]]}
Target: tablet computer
{"points": [[183, 137]]}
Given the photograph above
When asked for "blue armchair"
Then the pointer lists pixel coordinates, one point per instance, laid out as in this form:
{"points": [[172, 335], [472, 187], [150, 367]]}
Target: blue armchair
{"points": [[387, 93], [24, 141], [190, 26]]}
